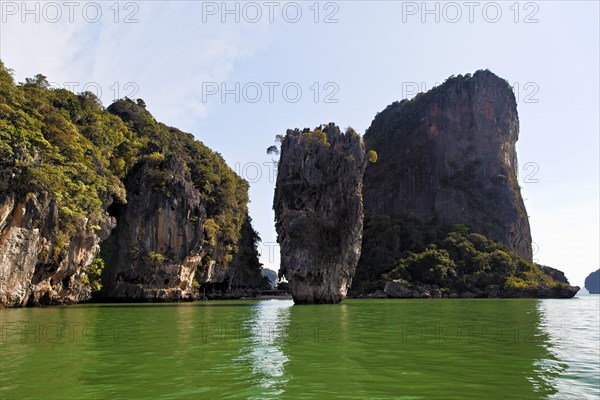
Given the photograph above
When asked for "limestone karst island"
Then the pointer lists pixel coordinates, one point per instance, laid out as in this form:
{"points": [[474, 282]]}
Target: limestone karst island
{"points": [[108, 204]]}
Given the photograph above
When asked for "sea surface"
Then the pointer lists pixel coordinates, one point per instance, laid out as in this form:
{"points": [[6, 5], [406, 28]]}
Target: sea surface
{"points": [[271, 349]]}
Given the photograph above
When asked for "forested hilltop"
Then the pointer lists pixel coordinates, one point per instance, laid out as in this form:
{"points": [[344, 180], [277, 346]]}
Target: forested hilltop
{"points": [[81, 184]]}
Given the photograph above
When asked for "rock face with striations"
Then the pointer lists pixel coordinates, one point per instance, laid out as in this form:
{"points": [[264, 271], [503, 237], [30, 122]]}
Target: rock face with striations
{"points": [[33, 271], [39, 264], [156, 247], [450, 154], [319, 212]]}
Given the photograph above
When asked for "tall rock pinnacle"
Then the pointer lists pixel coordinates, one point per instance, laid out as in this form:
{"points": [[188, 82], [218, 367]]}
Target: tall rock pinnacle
{"points": [[319, 211]]}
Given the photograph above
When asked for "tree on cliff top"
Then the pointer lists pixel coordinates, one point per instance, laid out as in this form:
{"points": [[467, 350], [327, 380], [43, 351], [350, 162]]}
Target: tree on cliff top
{"points": [[317, 136]]}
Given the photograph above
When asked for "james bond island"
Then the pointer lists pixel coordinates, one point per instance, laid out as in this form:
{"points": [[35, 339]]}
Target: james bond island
{"points": [[109, 204]]}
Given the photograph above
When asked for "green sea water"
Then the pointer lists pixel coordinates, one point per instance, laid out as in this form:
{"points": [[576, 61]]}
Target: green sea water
{"points": [[271, 349]]}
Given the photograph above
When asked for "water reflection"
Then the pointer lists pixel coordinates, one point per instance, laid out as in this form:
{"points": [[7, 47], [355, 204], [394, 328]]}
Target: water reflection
{"points": [[185, 327], [571, 328], [263, 333]]}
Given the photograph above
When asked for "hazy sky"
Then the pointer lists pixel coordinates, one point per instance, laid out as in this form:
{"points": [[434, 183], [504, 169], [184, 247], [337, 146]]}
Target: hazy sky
{"points": [[237, 73]]}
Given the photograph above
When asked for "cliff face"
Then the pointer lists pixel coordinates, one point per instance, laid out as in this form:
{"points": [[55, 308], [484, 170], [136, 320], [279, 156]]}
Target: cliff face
{"points": [[443, 209], [156, 247], [450, 153], [229, 264], [241, 277], [33, 269], [319, 213], [72, 170]]}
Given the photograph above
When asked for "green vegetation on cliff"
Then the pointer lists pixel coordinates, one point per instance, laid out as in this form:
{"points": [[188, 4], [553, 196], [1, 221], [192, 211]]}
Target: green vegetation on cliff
{"points": [[71, 148], [417, 252], [63, 144], [223, 193], [465, 262], [385, 238]]}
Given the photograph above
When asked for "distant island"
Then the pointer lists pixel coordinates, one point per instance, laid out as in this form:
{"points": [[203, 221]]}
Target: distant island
{"points": [[108, 204], [592, 282]]}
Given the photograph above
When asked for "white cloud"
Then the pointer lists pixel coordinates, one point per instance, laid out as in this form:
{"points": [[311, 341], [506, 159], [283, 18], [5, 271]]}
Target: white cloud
{"points": [[168, 54]]}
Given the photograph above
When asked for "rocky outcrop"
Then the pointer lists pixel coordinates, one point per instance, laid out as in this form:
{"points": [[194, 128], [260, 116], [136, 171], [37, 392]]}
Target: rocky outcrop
{"points": [[553, 273], [241, 277], [319, 212], [592, 282], [38, 264], [156, 247], [450, 154], [402, 289], [559, 291]]}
